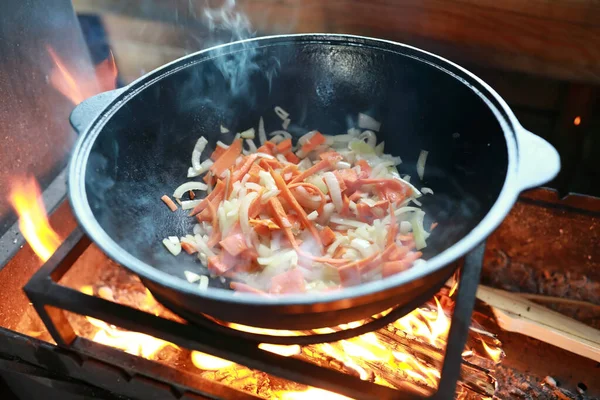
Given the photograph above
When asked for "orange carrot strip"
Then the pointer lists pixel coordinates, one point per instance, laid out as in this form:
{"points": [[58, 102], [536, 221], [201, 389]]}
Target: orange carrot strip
{"points": [[289, 197], [393, 229], [266, 164], [312, 143], [190, 249], [346, 177], [349, 275], [282, 220], [242, 287], [331, 156], [227, 159], [192, 195], [314, 189], [291, 157], [207, 214], [284, 146], [365, 169], [291, 281], [170, 203], [234, 244], [243, 169], [217, 266], [321, 165], [393, 267], [264, 149], [398, 253], [217, 153], [203, 204], [327, 236]]}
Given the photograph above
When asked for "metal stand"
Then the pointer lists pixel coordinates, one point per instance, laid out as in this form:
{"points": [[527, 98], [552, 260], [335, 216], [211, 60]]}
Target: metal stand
{"points": [[50, 299]]}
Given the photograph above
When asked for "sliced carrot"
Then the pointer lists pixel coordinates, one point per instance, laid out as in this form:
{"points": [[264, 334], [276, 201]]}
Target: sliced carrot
{"points": [[289, 282], [282, 219], [244, 169], [316, 140], [268, 223], [398, 253], [349, 275], [339, 252], [331, 156], [170, 203], [265, 149], [256, 206], [253, 172], [291, 157], [345, 205], [234, 244], [208, 214], [217, 153], [321, 165], [393, 267], [289, 197], [346, 177], [227, 159], [365, 169], [192, 195], [327, 236], [284, 146], [433, 226], [266, 163], [188, 248], [203, 204], [217, 266], [208, 178], [308, 202], [356, 196], [242, 287]]}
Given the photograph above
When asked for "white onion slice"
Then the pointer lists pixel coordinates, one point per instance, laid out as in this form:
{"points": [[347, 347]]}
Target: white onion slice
{"points": [[334, 190], [262, 135], [189, 204], [370, 137], [267, 195], [204, 166], [224, 130], [203, 247], [367, 122], [265, 155], [204, 281], [313, 215], [248, 134], [421, 163], [286, 123], [191, 277], [426, 190], [253, 186], [251, 146], [197, 152], [405, 227], [244, 220], [306, 137], [281, 113], [222, 145], [187, 187], [173, 245]]}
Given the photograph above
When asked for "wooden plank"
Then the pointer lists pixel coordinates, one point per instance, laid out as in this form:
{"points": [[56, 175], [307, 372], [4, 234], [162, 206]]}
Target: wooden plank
{"points": [[559, 39]]}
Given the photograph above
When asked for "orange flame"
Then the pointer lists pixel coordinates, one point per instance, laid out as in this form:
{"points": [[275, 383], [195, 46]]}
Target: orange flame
{"points": [[312, 394], [76, 86], [26, 198], [209, 363], [495, 354], [135, 343]]}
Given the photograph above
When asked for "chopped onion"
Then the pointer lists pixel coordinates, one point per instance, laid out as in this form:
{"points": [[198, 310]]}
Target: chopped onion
{"points": [[248, 134], [267, 195], [417, 202], [286, 123], [262, 135], [186, 187], [370, 137], [367, 122], [203, 247], [363, 246], [348, 222], [191, 276], [267, 180], [334, 190], [379, 149], [313, 215], [421, 163], [405, 227], [244, 220], [197, 152], [306, 137], [281, 113], [419, 232], [188, 204], [204, 166], [204, 281], [277, 139], [328, 210], [251, 146], [222, 145], [173, 245], [426, 190], [224, 130], [343, 165], [253, 186]]}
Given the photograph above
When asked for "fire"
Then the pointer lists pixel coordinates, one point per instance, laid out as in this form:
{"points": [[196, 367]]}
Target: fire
{"points": [[135, 343], [209, 363], [26, 198], [430, 324], [312, 393], [76, 86], [495, 354]]}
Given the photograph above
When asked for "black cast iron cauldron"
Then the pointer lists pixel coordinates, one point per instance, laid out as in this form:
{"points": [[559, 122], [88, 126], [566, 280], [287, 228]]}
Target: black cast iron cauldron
{"points": [[136, 142]]}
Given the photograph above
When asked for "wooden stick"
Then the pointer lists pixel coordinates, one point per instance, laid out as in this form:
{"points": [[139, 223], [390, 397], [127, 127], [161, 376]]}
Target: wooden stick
{"points": [[516, 314]]}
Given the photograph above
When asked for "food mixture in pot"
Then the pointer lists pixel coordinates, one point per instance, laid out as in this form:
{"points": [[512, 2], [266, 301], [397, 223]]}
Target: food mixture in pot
{"points": [[278, 217]]}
